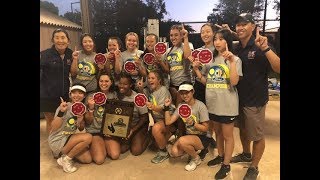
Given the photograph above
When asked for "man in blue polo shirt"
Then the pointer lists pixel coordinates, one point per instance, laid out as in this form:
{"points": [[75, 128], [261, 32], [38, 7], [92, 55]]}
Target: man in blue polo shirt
{"points": [[258, 58]]}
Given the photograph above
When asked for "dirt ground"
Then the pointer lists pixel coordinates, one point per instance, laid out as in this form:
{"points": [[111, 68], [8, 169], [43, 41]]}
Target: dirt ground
{"points": [[130, 167]]}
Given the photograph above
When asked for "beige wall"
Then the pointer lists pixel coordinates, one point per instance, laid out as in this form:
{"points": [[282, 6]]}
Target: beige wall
{"points": [[46, 34]]}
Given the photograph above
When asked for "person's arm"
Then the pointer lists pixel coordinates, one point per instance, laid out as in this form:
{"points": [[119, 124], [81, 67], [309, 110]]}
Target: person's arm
{"points": [[118, 62], [234, 76], [203, 127], [195, 66], [143, 118], [88, 116], [186, 46], [168, 119], [273, 58], [74, 64], [60, 112], [162, 62]]}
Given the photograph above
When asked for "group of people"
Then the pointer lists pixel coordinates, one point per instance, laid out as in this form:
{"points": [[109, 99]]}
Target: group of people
{"points": [[235, 83]]}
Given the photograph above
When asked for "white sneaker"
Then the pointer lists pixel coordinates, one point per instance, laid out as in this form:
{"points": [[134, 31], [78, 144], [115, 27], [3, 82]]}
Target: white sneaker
{"points": [[193, 164], [67, 165]]}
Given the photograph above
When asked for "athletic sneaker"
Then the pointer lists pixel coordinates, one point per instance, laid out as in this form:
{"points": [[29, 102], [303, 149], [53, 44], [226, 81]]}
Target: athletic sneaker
{"points": [[203, 153], [193, 164], [252, 173], [216, 161], [66, 164], [160, 156], [240, 158], [223, 172]]}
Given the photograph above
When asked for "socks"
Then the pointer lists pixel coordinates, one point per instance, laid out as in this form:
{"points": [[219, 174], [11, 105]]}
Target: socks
{"points": [[67, 158]]}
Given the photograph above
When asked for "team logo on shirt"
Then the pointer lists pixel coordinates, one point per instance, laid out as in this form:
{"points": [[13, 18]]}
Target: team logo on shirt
{"points": [[251, 54], [86, 68], [218, 76], [99, 113], [71, 123]]}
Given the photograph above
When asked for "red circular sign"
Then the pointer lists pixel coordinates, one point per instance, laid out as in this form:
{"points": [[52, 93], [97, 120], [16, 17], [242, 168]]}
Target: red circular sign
{"points": [[129, 66], [195, 53], [160, 48], [100, 58], [99, 98], [78, 108], [205, 56], [149, 58], [140, 99], [184, 111]]}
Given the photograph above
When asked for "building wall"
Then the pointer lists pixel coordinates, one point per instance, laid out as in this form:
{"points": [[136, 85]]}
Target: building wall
{"points": [[46, 35]]}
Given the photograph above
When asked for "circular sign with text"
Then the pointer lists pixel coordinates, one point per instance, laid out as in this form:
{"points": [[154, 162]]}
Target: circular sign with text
{"points": [[184, 111], [205, 56], [100, 58], [149, 58], [160, 48], [99, 98], [140, 100], [78, 108], [129, 66]]}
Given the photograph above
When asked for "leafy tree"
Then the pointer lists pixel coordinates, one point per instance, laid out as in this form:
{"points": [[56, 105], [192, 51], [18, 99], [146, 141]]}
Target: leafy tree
{"points": [[159, 8], [74, 17], [50, 7], [227, 10], [277, 7]]}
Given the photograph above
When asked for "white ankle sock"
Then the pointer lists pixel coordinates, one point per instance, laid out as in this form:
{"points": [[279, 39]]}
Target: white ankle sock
{"points": [[67, 158]]}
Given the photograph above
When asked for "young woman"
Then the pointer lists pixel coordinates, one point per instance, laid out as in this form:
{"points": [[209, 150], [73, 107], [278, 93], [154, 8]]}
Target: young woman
{"points": [[55, 64], [137, 140], [132, 53], [157, 93], [196, 126], [83, 68], [114, 49], [63, 140], [159, 65], [94, 116], [220, 78]]}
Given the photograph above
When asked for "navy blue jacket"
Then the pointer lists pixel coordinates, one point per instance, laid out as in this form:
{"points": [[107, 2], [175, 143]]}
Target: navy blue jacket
{"points": [[54, 73]]}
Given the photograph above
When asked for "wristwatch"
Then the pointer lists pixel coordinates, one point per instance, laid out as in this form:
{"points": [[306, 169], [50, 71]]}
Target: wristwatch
{"points": [[266, 50]]}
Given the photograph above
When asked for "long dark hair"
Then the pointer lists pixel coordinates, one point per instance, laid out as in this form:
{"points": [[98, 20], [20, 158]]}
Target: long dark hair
{"points": [[226, 35]]}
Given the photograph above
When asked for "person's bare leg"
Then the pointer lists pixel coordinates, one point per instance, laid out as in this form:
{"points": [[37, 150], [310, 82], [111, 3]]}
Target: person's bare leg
{"points": [[244, 141], [49, 118], [98, 150], [227, 131], [113, 147], [257, 151], [219, 138]]}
